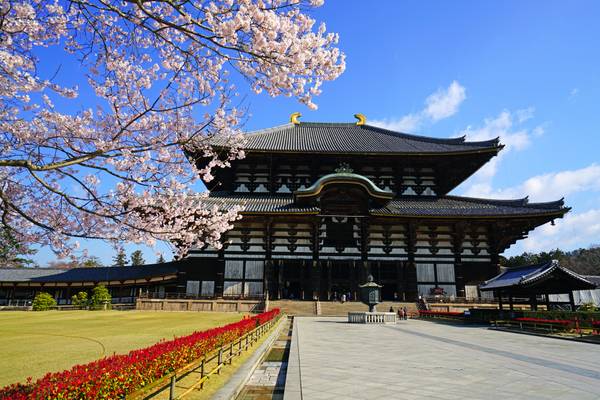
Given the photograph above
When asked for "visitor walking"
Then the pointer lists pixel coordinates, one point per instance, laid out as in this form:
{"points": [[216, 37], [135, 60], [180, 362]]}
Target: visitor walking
{"points": [[404, 313]]}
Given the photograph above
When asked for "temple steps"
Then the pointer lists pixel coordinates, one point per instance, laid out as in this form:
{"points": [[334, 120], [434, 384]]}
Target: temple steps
{"points": [[333, 308]]}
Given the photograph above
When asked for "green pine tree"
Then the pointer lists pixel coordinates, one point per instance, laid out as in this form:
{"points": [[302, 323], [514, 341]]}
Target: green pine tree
{"points": [[161, 259], [11, 251], [120, 259], [137, 258], [90, 262]]}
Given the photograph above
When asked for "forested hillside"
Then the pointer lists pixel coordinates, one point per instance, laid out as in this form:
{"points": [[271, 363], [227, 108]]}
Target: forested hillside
{"points": [[583, 261]]}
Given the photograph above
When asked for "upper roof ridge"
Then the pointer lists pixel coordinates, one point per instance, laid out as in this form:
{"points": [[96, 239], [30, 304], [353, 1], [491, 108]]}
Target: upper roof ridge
{"points": [[516, 202], [428, 139], [271, 129]]}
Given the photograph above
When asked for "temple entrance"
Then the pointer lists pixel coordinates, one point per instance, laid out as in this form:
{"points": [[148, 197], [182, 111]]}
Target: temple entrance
{"points": [[390, 275], [328, 280], [339, 278]]}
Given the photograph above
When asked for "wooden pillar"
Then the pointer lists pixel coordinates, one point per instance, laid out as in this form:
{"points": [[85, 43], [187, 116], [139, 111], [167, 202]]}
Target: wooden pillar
{"points": [[572, 300], [279, 274], [316, 265], [547, 296], [399, 280], [316, 280], [510, 302], [220, 276], [457, 248], [328, 283], [302, 280], [267, 277], [411, 273], [533, 302], [364, 238], [353, 280], [500, 300]]}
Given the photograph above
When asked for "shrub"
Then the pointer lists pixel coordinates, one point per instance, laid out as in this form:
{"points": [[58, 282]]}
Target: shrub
{"points": [[117, 376], [80, 300], [587, 307], [100, 297], [43, 301]]}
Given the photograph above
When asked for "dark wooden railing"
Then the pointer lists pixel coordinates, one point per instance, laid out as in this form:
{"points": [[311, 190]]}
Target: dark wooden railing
{"points": [[185, 296]]}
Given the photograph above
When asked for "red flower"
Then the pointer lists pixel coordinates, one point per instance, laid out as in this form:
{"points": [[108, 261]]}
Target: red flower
{"points": [[118, 375]]}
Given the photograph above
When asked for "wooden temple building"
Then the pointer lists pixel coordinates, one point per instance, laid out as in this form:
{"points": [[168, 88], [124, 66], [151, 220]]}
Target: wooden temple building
{"points": [[540, 280], [326, 204]]}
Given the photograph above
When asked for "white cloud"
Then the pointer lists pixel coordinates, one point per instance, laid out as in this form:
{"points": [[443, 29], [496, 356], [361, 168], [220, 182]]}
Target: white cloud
{"points": [[545, 187], [515, 137], [574, 92], [575, 229], [408, 123], [445, 103], [571, 232], [442, 104], [525, 114], [503, 126]]}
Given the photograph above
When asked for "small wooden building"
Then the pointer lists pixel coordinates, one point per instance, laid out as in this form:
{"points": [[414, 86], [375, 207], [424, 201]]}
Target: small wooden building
{"points": [[18, 286], [531, 281]]}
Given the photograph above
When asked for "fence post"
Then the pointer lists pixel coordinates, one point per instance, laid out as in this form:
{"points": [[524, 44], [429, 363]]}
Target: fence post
{"points": [[230, 353], [220, 359], [246, 342], [172, 388], [202, 373]]}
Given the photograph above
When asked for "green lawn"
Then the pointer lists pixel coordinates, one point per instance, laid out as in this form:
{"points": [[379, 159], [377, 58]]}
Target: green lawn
{"points": [[33, 343]]}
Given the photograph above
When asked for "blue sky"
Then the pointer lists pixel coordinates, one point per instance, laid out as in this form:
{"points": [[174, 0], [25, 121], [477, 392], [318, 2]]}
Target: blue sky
{"points": [[528, 72]]}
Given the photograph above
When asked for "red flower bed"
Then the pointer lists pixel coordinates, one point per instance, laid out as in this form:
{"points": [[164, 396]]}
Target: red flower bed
{"points": [[596, 324], [114, 377], [544, 321], [442, 313]]}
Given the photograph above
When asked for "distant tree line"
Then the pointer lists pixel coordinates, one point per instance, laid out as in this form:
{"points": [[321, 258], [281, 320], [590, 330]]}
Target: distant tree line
{"points": [[582, 261], [137, 258], [12, 255]]}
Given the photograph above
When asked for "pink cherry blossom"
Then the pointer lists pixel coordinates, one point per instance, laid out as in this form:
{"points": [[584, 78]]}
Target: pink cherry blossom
{"points": [[162, 74]]}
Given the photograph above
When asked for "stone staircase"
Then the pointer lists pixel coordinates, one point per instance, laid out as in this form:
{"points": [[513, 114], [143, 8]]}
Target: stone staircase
{"points": [[333, 308]]}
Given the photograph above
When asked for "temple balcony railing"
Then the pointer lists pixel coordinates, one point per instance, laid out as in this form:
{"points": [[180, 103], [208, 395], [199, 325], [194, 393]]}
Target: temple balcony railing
{"points": [[188, 296]]}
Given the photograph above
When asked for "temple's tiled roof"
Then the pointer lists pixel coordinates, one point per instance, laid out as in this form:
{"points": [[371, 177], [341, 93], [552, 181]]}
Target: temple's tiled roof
{"points": [[593, 278], [531, 274], [317, 137], [456, 205], [260, 204], [101, 274], [409, 206]]}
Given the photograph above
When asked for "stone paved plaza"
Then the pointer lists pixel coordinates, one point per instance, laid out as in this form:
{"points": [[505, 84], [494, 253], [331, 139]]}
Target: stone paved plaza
{"points": [[331, 359]]}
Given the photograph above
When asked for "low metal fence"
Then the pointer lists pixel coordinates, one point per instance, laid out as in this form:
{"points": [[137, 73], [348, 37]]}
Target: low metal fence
{"points": [[220, 357]]}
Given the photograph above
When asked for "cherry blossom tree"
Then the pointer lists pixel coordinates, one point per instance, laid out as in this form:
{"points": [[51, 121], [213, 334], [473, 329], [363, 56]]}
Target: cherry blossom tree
{"points": [[162, 74]]}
